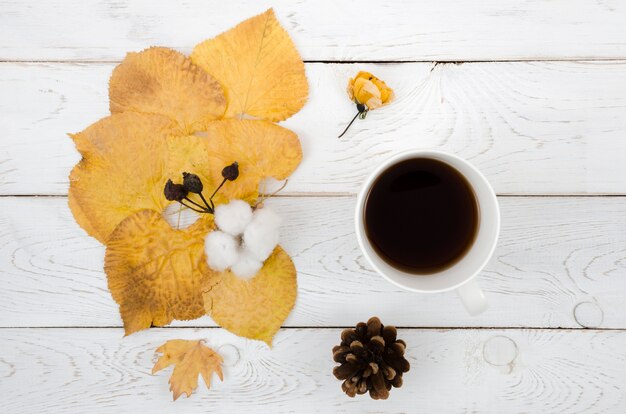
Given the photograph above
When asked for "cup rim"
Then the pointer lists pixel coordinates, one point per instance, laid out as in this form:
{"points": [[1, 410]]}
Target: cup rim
{"points": [[360, 206]]}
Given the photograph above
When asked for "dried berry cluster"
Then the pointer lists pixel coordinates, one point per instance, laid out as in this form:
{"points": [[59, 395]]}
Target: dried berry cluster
{"points": [[193, 184], [372, 359]]}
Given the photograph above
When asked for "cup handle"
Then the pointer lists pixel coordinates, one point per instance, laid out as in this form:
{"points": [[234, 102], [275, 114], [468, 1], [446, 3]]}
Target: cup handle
{"points": [[472, 297]]}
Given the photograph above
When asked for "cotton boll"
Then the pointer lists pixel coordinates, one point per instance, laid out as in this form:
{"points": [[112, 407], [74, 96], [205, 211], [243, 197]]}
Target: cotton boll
{"points": [[232, 218], [262, 234], [246, 265], [221, 250]]}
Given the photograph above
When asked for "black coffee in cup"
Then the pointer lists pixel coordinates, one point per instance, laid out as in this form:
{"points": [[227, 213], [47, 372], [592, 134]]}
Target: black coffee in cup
{"points": [[421, 216]]}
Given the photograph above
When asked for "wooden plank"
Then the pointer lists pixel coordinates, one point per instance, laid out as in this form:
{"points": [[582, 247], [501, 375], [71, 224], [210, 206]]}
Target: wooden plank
{"points": [[532, 128], [323, 30], [487, 371], [560, 263]]}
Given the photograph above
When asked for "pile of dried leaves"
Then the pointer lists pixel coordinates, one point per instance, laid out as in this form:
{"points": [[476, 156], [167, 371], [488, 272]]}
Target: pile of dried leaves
{"points": [[172, 113]]}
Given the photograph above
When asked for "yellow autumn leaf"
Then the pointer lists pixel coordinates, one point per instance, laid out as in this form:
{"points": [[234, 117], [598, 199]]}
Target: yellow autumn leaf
{"points": [[259, 67], [127, 158], [261, 148], [121, 171], [191, 154], [163, 81], [190, 359], [155, 272], [254, 308]]}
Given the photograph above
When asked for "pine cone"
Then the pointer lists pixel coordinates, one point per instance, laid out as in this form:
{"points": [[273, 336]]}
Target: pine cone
{"points": [[372, 359]]}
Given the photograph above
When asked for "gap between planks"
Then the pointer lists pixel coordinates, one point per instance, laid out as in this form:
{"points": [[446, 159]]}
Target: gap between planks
{"points": [[350, 62], [419, 328], [349, 195]]}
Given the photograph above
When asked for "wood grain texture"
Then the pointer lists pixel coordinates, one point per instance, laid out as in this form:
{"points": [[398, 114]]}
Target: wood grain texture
{"points": [[532, 128], [548, 118], [323, 30], [560, 263], [486, 371]]}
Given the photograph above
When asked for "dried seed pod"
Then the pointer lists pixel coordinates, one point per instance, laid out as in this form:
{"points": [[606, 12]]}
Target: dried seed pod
{"points": [[174, 192], [192, 183], [231, 172]]}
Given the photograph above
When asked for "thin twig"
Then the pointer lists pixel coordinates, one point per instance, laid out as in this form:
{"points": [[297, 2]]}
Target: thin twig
{"points": [[265, 197], [194, 203], [210, 207], [346, 130], [217, 189], [191, 208]]}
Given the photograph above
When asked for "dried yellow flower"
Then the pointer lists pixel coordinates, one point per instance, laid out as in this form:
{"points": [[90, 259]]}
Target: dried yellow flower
{"points": [[368, 92]]}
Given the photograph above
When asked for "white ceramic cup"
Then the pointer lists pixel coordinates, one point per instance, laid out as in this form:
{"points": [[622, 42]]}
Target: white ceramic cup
{"points": [[461, 275]]}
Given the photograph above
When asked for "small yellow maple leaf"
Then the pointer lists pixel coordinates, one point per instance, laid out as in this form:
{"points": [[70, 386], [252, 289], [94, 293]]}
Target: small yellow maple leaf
{"points": [[191, 358], [259, 67]]}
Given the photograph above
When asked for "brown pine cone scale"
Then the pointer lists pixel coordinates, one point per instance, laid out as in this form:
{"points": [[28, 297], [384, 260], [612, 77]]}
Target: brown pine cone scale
{"points": [[371, 359]]}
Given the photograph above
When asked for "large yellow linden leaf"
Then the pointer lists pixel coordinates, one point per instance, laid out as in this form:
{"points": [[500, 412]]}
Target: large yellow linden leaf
{"points": [[259, 67], [261, 148], [155, 272], [191, 154], [164, 81], [253, 308], [190, 359], [121, 171]]}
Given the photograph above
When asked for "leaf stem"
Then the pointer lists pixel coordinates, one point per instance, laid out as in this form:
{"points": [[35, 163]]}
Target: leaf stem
{"points": [[265, 197], [346, 130], [180, 210], [192, 208], [194, 203], [210, 207], [216, 190]]}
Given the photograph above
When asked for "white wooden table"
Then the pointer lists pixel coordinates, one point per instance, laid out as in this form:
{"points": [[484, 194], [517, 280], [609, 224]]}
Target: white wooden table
{"points": [[533, 93]]}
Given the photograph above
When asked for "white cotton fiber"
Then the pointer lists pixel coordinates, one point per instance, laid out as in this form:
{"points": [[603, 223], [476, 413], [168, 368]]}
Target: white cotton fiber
{"points": [[232, 218], [246, 265], [222, 250], [262, 234]]}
